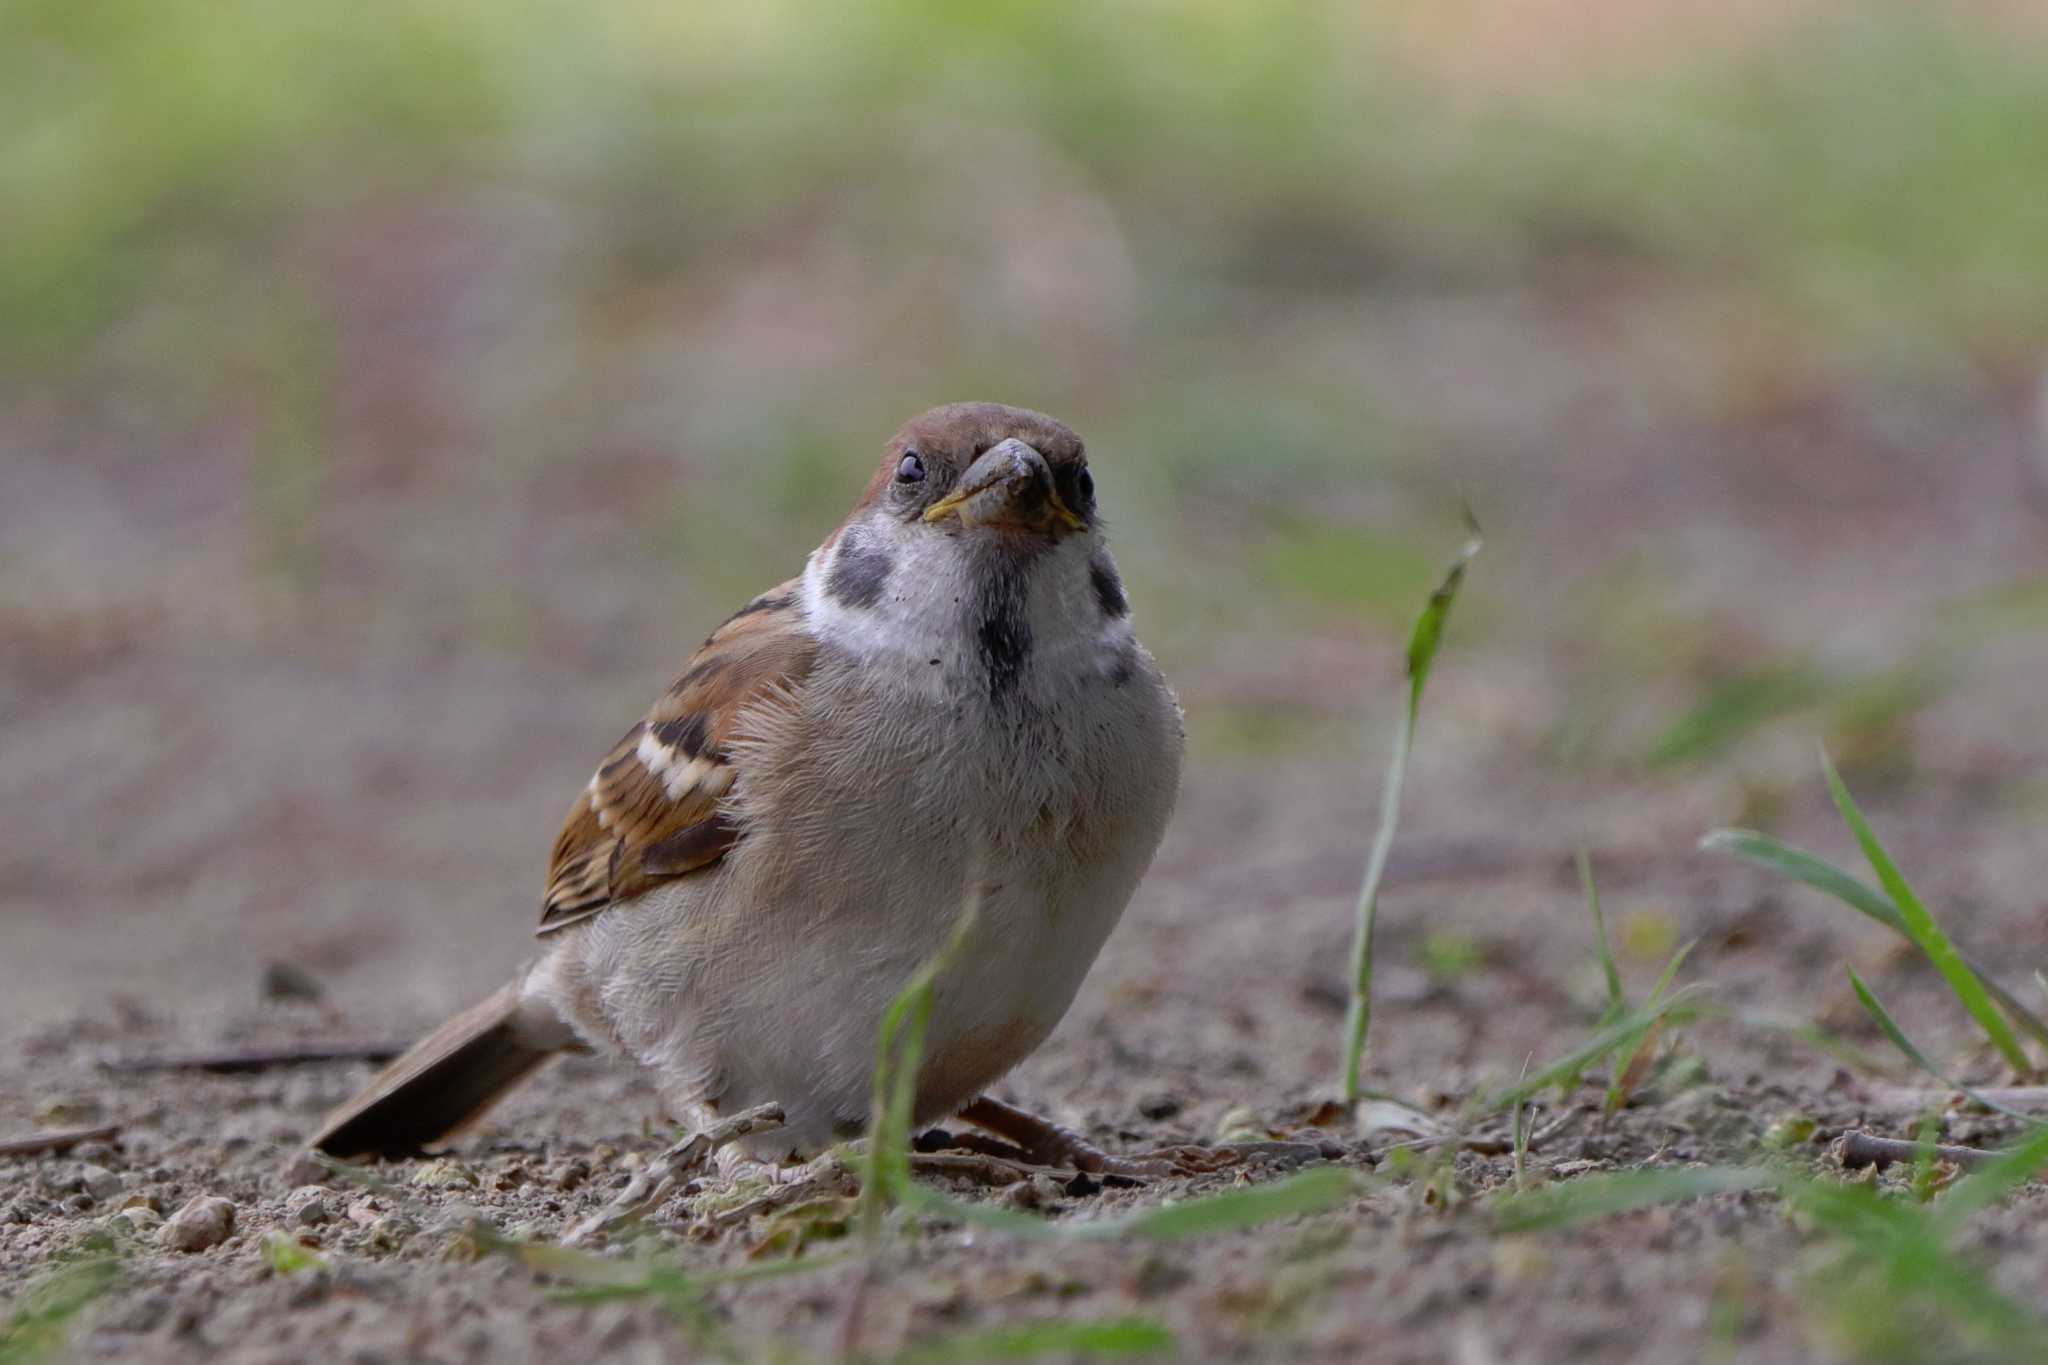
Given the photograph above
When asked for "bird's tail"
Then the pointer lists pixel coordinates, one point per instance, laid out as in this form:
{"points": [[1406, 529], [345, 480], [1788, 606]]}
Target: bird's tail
{"points": [[446, 1080]]}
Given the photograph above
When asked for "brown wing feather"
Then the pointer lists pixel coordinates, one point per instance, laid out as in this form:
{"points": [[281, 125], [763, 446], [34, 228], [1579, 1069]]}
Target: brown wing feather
{"points": [[652, 811]]}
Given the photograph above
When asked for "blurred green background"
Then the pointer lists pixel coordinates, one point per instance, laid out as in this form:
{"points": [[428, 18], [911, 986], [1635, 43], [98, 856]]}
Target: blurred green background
{"points": [[504, 348]]}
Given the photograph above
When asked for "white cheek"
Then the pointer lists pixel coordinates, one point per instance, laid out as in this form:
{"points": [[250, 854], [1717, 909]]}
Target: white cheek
{"points": [[903, 634], [1070, 632], [921, 631]]}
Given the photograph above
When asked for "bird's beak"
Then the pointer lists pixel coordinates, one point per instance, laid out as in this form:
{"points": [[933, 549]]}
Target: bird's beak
{"points": [[1009, 487]]}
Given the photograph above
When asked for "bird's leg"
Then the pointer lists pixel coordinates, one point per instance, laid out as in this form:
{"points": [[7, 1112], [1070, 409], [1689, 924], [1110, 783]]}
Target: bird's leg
{"points": [[1047, 1144]]}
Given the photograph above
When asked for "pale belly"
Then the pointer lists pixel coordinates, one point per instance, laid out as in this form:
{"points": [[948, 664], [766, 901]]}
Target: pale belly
{"points": [[871, 828], [782, 1004]]}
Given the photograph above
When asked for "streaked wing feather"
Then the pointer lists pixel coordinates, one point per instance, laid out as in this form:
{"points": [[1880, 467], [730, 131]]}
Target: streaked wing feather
{"points": [[652, 811]]}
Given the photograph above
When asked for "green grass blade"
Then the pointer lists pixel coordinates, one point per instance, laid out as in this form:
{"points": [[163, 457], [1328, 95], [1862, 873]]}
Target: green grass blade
{"points": [[1028, 1341], [1600, 1044], [1887, 1264], [1665, 977], [1890, 1278], [1859, 1214], [1617, 1094], [44, 1315], [1904, 1044], [1825, 877], [1358, 1018], [1617, 1003], [1601, 1196], [1310, 1192], [1802, 866], [596, 1279], [1521, 1135], [1922, 929], [1422, 647], [1029, 1227], [899, 1051]]}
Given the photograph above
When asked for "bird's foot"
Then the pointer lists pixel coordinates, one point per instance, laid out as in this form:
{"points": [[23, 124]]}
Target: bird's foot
{"points": [[1044, 1143], [651, 1188], [760, 1188]]}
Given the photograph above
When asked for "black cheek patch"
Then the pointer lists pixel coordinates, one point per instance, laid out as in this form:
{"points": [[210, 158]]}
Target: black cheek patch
{"points": [[1109, 589], [859, 571]]}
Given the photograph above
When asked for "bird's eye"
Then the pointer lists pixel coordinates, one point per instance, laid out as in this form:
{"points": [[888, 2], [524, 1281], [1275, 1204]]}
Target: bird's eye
{"points": [[1077, 489], [910, 469]]}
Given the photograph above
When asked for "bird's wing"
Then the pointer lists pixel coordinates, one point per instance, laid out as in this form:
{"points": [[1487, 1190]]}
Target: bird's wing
{"points": [[652, 810]]}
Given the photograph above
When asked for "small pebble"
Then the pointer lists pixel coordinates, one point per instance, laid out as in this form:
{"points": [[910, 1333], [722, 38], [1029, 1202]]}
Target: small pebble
{"points": [[137, 1220], [305, 1169], [390, 1231], [289, 981], [1157, 1107], [96, 1154], [1241, 1125], [307, 1206], [1034, 1193], [98, 1181], [80, 1203], [445, 1175], [205, 1221]]}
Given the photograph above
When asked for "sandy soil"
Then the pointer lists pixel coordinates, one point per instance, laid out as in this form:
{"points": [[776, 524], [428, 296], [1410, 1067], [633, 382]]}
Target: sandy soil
{"points": [[193, 792]]}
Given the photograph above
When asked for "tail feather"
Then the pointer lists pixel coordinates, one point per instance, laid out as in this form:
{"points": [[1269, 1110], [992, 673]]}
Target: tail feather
{"points": [[443, 1083]]}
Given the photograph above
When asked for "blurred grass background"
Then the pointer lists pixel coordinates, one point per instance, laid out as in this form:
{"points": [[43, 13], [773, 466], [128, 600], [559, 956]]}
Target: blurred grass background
{"points": [[391, 396], [522, 331]]}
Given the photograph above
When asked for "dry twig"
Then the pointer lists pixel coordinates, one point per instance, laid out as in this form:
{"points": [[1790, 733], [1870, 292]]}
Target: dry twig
{"points": [[232, 1060], [59, 1140], [1856, 1150]]}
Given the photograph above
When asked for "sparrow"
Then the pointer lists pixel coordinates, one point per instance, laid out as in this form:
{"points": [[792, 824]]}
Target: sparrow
{"points": [[947, 707]]}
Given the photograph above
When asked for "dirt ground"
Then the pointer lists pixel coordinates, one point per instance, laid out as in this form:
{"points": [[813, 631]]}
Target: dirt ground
{"points": [[201, 781]]}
